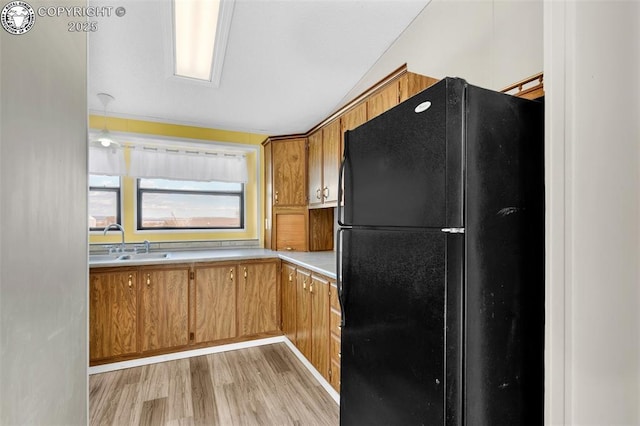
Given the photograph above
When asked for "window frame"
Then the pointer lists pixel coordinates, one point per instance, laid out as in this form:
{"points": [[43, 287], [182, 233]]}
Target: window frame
{"points": [[118, 191], [140, 192]]}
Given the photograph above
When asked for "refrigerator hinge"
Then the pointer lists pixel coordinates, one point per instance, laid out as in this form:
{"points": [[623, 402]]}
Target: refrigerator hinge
{"points": [[453, 230]]}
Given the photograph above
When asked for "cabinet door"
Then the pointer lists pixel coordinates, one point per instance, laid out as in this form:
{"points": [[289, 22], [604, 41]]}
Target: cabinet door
{"points": [[383, 100], [289, 172], [350, 120], [257, 298], [288, 283], [334, 373], [164, 304], [315, 169], [334, 340], [411, 84], [319, 292], [113, 327], [215, 303], [290, 226], [330, 162], [303, 313]]}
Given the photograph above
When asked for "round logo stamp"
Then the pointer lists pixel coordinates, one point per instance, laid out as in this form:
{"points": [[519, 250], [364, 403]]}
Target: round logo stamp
{"points": [[17, 17]]}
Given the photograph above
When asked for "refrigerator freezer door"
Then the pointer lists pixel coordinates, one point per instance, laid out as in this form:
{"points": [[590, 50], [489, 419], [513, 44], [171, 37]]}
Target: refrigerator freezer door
{"points": [[404, 167], [393, 338]]}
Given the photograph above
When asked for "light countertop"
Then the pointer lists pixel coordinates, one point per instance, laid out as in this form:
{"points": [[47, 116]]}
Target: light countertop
{"points": [[323, 262]]}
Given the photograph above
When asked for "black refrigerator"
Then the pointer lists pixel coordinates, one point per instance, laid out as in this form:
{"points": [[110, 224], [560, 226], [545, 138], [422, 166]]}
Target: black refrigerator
{"points": [[441, 262]]}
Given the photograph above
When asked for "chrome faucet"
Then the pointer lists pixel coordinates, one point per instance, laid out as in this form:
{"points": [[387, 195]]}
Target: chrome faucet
{"points": [[117, 226]]}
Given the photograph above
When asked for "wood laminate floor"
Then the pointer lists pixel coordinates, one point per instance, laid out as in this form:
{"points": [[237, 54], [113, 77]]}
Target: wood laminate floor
{"points": [[264, 385]]}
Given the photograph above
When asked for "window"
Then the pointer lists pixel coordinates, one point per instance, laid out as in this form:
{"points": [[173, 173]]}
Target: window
{"points": [[104, 201], [176, 204]]}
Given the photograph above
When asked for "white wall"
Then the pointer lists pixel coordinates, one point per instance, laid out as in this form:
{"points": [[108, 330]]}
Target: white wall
{"points": [[592, 63], [43, 225], [490, 43]]}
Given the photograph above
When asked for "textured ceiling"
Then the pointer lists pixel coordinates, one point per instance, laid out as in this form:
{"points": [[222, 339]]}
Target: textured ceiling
{"points": [[288, 63]]}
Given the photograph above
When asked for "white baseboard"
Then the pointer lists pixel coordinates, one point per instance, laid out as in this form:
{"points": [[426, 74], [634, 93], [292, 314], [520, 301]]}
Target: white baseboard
{"points": [[325, 384], [139, 362]]}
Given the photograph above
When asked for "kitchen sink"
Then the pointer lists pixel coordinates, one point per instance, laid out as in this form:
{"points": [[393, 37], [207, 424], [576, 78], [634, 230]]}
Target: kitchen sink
{"points": [[103, 257], [143, 256], [116, 257]]}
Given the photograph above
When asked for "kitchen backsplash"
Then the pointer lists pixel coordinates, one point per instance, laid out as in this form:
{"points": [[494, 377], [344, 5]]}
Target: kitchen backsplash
{"points": [[184, 245]]}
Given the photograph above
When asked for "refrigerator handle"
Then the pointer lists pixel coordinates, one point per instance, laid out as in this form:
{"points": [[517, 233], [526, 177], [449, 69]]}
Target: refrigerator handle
{"points": [[339, 283], [340, 190], [343, 165]]}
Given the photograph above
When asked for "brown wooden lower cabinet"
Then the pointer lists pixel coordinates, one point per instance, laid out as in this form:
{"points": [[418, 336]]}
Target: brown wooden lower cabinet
{"points": [[334, 373], [215, 303], [303, 312], [164, 308], [319, 293], [113, 313], [258, 298], [139, 311], [288, 286], [335, 336], [308, 296]]}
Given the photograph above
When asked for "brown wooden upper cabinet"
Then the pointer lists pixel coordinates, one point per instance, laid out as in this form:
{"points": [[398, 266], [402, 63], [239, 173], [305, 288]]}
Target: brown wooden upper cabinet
{"points": [[410, 84], [289, 161], [395, 92], [352, 119], [324, 162], [302, 171], [383, 100]]}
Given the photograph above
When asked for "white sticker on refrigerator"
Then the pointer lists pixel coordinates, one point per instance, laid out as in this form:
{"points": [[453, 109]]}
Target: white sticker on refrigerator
{"points": [[423, 107]]}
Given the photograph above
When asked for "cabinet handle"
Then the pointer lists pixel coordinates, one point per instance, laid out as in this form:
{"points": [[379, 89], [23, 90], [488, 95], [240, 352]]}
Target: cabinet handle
{"points": [[130, 280], [231, 274], [148, 280], [325, 189], [304, 283], [311, 288], [276, 197], [245, 273], [318, 194], [290, 277]]}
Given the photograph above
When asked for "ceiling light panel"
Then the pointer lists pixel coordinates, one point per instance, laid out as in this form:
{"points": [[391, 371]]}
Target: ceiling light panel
{"points": [[195, 23]]}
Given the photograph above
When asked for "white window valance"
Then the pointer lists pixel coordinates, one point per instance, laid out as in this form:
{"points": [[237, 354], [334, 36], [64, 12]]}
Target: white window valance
{"points": [[145, 158], [107, 161], [187, 165]]}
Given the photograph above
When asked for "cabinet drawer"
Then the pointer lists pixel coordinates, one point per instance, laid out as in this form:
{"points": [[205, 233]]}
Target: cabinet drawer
{"points": [[335, 348], [335, 323]]}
